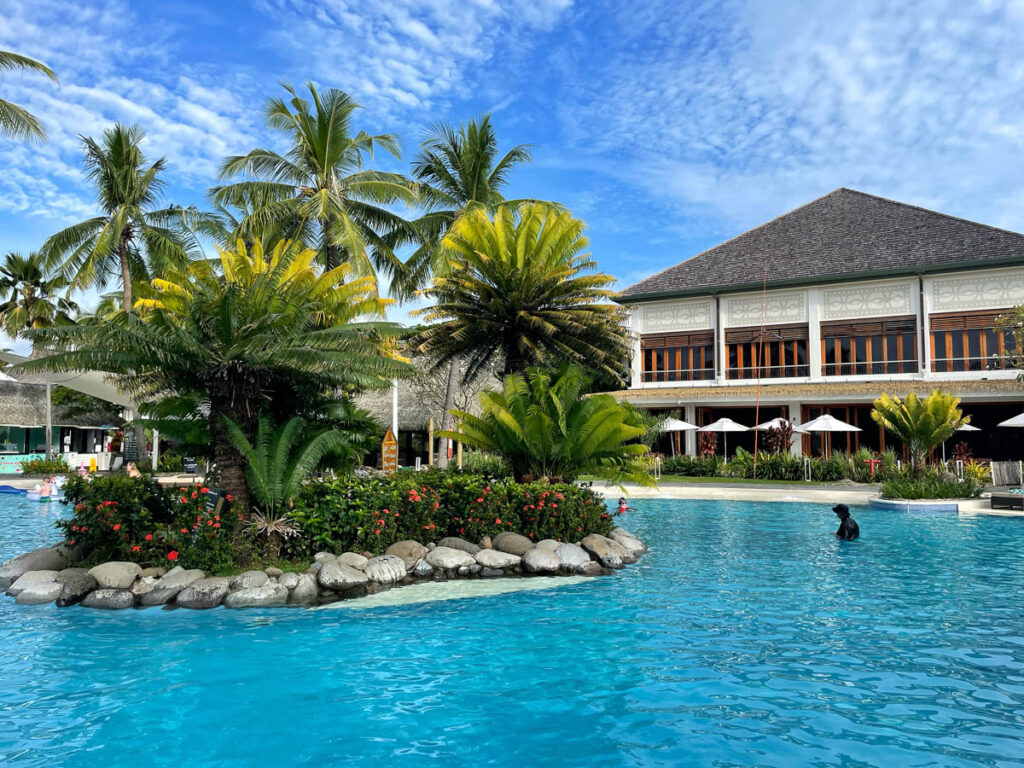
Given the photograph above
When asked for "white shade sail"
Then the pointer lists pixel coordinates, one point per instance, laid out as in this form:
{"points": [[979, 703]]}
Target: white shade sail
{"points": [[828, 423], [676, 425], [1016, 421], [87, 382], [777, 423], [724, 425]]}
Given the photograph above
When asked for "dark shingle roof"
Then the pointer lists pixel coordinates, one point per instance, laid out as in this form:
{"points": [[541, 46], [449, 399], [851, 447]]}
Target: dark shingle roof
{"points": [[845, 234]]}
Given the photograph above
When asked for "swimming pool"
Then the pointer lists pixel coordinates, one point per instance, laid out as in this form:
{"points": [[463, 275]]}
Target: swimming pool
{"points": [[747, 636]]}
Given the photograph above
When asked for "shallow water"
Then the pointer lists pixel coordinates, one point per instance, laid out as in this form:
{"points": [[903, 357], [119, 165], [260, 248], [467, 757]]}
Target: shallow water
{"points": [[747, 636]]}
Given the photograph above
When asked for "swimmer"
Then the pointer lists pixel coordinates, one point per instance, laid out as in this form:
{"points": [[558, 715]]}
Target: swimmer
{"points": [[623, 507], [46, 489], [133, 471], [848, 528]]}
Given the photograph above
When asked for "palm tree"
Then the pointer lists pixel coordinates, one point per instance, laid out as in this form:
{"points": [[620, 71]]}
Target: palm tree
{"points": [[318, 192], [546, 428], [920, 423], [32, 295], [519, 291], [130, 239], [237, 340], [17, 122]]}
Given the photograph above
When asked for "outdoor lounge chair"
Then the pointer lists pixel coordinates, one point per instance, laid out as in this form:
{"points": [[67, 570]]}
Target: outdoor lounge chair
{"points": [[1008, 500]]}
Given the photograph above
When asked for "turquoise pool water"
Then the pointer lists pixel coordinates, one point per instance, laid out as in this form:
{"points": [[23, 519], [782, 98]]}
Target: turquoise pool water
{"points": [[748, 636]]}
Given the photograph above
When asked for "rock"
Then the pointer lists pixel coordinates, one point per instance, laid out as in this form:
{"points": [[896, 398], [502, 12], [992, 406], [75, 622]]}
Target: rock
{"points": [[144, 585], [169, 585], [549, 544], [314, 569], [430, 545], [590, 568], [305, 591], [386, 569], [628, 541], [495, 560], [422, 569], [36, 588], [485, 542], [111, 599], [274, 573], [203, 594], [490, 573], [67, 573], [38, 560], [247, 580], [289, 580], [410, 551], [75, 586], [147, 572], [352, 560], [572, 557], [475, 568], [117, 574], [340, 578], [323, 557], [608, 553], [541, 561], [462, 570], [513, 543], [264, 596], [446, 558], [454, 542]]}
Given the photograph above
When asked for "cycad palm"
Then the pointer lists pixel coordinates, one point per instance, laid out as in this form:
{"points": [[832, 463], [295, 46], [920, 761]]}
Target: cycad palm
{"points": [[33, 297], [520, 290], [130, 238], [921, 424], [17, 122], [545, 428], [318, 191]]}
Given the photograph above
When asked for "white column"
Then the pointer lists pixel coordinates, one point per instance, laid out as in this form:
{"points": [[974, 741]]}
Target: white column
{"points": [[690, 415], [394, 407], [720, 328], [49, 421], [814, 307], [925, 330], [797, 446], [156, 448], [636, 362]]}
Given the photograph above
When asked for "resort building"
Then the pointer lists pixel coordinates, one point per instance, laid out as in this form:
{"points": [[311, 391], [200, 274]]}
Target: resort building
{"points": [[823, 309]]}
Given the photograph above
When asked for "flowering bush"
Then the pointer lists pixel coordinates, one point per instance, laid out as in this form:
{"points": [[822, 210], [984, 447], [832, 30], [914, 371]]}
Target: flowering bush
{"points": [[123, 518], [370, 514]]}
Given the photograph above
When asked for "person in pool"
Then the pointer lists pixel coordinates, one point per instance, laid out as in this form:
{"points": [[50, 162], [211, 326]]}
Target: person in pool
{"points": [[46, 489], [132, 470], [848, 528], [623, 506]]}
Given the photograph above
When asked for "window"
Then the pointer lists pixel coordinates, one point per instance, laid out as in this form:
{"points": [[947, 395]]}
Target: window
{"points": [[678, 356], [968, 342], [780, 351], [870, 348]]}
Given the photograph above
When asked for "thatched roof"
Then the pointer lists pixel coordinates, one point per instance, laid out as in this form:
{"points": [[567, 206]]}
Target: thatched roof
{"points": [[24, 405]]}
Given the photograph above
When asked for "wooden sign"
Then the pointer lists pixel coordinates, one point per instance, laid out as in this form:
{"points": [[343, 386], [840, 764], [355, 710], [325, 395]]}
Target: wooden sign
{"points": [[389, 453]]}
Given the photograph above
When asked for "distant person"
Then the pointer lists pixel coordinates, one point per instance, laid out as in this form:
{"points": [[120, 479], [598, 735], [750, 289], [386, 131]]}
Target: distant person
{"points": [[848, 528], [133, 471], [46, 489], [623, 506]]}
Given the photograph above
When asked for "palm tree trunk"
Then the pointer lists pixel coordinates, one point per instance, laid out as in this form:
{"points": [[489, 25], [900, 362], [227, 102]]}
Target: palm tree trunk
{"points": [[126, 299], [446, 417], [230, 463]]}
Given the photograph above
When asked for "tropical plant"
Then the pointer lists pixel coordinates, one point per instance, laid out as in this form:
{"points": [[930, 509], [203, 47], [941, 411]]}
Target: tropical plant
{"points": [[545, 429], [235, 341], [920, 423], [779, 439], [33, 296], [17, 122], [977, 472], [318, 192], [1011, 323], [519, 291]]}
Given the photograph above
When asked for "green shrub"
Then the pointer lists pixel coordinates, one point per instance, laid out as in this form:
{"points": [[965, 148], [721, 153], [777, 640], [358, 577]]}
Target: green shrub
{"points": [[170, 462], [370, 514], [487, 464], [691, 466], [124, 518], [45, 467], [930, 487]]}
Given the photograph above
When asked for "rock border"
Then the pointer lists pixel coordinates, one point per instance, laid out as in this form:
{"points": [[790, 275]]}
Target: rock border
{"points": [[44, 576]]}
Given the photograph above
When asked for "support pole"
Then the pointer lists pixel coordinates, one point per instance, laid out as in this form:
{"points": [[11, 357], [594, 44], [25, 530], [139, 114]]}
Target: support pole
{"points": [[394, 407], [49, 421], [156, 448], [430, 443]]}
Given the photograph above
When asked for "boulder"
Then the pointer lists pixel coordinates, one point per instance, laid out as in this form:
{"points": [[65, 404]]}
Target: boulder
{"points": [[144, 585], [32, 579], [454, 542], [117, 574], [289, 580], [490, 573], [203, 594], [495, 560], [74, 586], [247, 580], [353, 560], [168, 586], [36, 588], [147, 572], [513, 543], [274, 573], [422, 570], [446, 558], [323, 557], [572, 557], [340, 578], [591, 568], [110, 599], [408, 550], [38, 560], [264, 596], [386, 569], [608, 553], [541, 561], [628, 541], [305, 591], [549, 544], [485, 542]]}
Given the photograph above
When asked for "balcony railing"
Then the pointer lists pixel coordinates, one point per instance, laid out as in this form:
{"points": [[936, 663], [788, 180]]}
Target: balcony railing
{"points": [[686, 374], [769, 372], [874, 368], [964, 364]]}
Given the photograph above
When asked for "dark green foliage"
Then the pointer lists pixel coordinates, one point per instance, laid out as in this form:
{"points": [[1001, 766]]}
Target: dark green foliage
{"points": [[785, 466], [930, 486], [44, 467]]}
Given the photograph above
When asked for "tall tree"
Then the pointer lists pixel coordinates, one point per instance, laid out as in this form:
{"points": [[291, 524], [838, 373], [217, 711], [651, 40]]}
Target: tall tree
{"points": [[17, 122], [130, 239], [922, 424], [318, 192], [520, 290], [34, 298]]}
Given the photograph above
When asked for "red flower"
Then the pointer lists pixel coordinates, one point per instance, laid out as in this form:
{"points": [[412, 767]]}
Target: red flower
{"points": [[478, 501], [184, 500], [229, 497], [209, 522], [437, 504], [184, 530], [204, 490], [497, 521], [554, 505], [195, 495], [172, 555], [579, 529], [71, 542], [135, 548]]}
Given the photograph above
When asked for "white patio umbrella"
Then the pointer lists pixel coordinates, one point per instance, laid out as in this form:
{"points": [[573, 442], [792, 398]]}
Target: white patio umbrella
{"points": [[828, 423], [676, 425], [725, 426], [961, 428], [1016, 421], [777, 423]]}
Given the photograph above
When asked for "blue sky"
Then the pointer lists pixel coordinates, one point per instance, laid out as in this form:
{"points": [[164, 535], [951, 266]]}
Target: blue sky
{"points": [[667, 125]]}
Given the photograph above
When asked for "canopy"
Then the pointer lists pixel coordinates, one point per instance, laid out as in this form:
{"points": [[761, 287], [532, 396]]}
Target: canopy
{"points": [[92, 383], [778, 423], [968, 428], [828, 423], [1016, 421], [676, 425], [724, 425]]}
